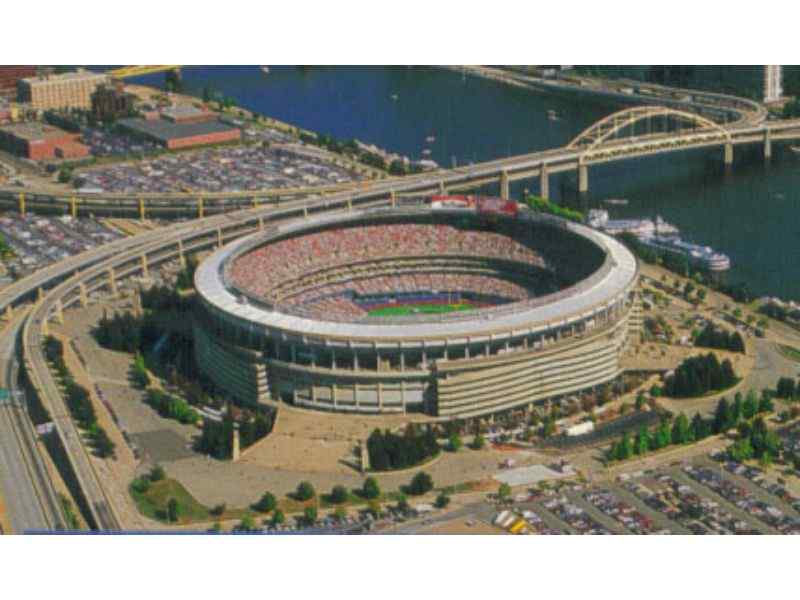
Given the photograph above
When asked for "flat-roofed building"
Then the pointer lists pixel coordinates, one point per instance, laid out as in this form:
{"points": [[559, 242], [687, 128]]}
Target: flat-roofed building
{"points": [[39, 141], [182, 135], [67, 90], [186, 113]]}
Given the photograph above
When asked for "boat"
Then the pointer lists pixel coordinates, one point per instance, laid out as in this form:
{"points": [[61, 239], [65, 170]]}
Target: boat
{"points": [[616, 201], [265, 69], [552, 115], [426, 152], [795, 149], [703, 257], [394, 97], [430, 139]]}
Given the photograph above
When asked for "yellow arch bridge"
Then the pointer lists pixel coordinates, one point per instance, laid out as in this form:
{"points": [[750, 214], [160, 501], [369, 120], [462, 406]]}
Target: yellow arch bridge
{"points": [[137, 70]]}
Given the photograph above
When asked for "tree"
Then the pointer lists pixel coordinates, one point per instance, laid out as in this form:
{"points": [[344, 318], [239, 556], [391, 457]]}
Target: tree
{"points": [[663, 436], [640, 400], [786, 388], [339, 494], [173, 510], [765, 404], [267, 503], [246, 525], [402, 503], [722, 416], [305, 491], [479, 442], [699, 427], [421, 483], [681, 432], [750, 406], [626, 446], [642, 445], [310, 515], [157, 473], [504, 491], [278, 518], [370, 490], [442, 500], [454, 442]]}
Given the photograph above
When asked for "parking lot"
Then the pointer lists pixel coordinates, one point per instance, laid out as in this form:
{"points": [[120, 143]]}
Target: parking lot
{"points": [[707, 495], [38, 241], [223, 169]]}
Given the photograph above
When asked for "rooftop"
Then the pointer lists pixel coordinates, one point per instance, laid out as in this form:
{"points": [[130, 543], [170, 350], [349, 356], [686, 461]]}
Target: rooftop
{"points": [[71, 76], [33, 131], [163, 130]]}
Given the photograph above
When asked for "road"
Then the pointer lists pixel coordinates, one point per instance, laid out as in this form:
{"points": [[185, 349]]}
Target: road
{"points": [[31, 502]]}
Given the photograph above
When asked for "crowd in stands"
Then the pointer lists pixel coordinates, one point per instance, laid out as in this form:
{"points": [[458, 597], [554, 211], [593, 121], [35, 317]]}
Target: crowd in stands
{"points": [[293, 273], [259, 271]]}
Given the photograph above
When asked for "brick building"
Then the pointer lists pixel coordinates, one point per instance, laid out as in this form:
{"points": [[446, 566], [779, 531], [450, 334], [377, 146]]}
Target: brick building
{"points": [[67, 90], [111, 102], [39, 141], [10, 75]]}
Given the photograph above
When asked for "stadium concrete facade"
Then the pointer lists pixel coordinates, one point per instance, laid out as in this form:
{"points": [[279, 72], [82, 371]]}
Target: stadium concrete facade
{"points": [[296, 313]]}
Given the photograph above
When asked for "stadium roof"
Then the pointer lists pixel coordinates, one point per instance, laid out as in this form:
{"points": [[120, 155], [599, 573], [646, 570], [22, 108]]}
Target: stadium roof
{"points": [[573, 304]]}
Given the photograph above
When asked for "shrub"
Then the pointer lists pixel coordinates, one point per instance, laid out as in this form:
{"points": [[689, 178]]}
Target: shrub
{"points": [[266, 504], [339, 494], [157, 473], [305, 491], [421, 483], [370, 489]]}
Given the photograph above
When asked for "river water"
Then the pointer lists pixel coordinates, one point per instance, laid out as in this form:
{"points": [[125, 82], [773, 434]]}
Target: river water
{"points": [[750, 214]]}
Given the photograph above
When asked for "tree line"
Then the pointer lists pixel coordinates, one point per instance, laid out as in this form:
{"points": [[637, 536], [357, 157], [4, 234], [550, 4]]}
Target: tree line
{"points": [[171, 407], [390, 451], [78, 400], [716, 337], [542, 205], [216, 438], [740, 413], [698, 375]]}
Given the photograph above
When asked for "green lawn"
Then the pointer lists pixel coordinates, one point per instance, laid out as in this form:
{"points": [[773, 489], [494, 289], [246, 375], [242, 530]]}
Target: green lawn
{"points": [[789, 352], [153, 502], [411, 309]]}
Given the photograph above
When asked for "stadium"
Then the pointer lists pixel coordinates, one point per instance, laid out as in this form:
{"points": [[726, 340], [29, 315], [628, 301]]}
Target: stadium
{"points": [[451, 307]]}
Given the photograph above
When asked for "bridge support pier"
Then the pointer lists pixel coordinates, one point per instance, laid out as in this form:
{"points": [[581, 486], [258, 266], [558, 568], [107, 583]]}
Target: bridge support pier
{"points": [[9, 312], [84, 295], [145, 272], [767, 145], [504, 184], [583, 178], [112, 282], [200, 210], [393, 198], [544, 182], [58, 309], [181, 255], [21, 203], [73, 206], [442, 189], [728, 158], [255, 202], [219, 237]]}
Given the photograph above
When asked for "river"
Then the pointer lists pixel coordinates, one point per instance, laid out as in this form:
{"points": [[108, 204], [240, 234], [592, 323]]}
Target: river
{"points": [[749, 214]]}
